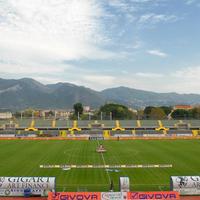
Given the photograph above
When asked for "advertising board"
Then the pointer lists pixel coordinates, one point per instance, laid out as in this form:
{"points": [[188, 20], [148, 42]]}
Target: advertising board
{"points": [[16, 186], [74, 196], [153, 195], [113, 195], [96, 138], [7, 135], [154, 135], [124, 184], [184, 134], [185, 185]]}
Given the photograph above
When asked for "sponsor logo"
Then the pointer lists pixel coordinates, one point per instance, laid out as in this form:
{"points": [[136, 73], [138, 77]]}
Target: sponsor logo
{"points": [[96, 138], [29, 179], [153, 195], [195, 178], [74, 196], [113, 195], [15, 186], [186, 185], [2, 179], [182, 181], [7, 192]]}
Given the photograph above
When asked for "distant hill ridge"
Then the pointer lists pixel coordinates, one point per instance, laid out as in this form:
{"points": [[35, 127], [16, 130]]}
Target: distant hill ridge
{"points": [[27, 92]]}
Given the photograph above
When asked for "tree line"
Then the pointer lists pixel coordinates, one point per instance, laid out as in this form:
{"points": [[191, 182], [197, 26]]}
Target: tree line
{"points": [[106, 112], [113, 111]]}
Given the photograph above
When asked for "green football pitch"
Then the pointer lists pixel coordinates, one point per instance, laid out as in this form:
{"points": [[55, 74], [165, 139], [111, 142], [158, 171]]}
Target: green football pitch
{"points": [[23, 158]]}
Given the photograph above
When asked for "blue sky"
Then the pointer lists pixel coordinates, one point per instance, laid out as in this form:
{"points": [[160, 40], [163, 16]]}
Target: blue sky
{"points": [[144, 44]]}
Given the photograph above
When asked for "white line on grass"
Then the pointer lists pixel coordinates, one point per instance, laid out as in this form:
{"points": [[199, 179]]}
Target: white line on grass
{"points": [[104, 162]]}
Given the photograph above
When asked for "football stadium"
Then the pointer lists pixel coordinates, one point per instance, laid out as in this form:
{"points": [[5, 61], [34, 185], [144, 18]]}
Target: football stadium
{"points": [[99, 100], [100, 158]]}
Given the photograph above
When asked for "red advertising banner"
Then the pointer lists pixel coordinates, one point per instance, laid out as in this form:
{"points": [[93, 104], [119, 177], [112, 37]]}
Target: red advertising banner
{"points": [[153, 195], [114, 196], [74, 196]]}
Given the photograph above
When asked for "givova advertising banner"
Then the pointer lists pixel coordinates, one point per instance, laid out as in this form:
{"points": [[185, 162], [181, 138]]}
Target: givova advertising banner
{"points": [[74, 196], [16, 186], [153, 195], [185, 185], [113, 195]]}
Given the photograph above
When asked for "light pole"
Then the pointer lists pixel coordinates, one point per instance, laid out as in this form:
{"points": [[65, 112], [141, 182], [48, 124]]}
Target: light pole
{"points": [[55, 114], [89, 116]]}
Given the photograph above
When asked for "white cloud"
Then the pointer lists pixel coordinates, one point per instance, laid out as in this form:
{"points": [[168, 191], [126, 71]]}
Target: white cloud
{"points": [[122, 5], [40, 34], [21, 69], [156, 52], [149, 75], [138, 44], [132, 10], [153, 18], [189, 2], [188, 73], [99, 81], [186, 80]]}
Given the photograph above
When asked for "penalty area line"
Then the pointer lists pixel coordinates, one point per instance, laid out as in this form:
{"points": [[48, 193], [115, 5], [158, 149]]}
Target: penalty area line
{"points": [[104, 166]]}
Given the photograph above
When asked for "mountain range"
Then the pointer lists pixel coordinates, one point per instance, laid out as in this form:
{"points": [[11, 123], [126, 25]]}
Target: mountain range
{"points": [[26, 92]]}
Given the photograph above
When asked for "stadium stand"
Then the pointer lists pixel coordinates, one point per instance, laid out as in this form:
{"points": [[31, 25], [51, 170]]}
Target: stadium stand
{"points": [[64, 123], [128, 123], [169, 123], [149, 123], [24, 122], [43, 123], [193, 123]]}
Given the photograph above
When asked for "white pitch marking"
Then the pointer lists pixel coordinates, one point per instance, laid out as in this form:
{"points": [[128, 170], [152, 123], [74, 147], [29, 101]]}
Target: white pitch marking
{"points": [[104, 162]]}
